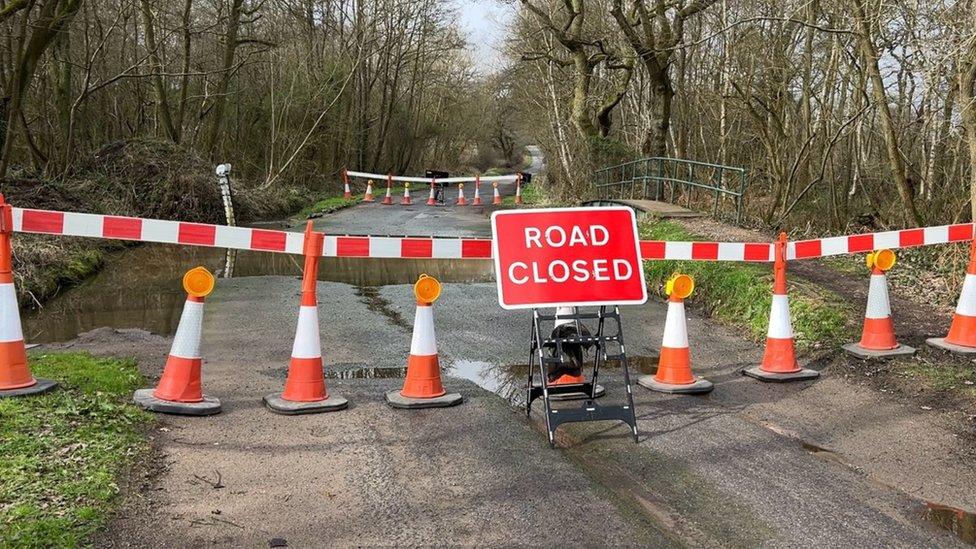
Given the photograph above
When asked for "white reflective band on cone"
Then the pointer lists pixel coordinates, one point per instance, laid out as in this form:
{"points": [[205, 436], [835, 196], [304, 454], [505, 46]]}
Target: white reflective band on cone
{"points": [[878, 304], [967, 299], [424, 342], [780, 326], [186, 342], [675, 329], [307, 343], [565, 311], [10, 329], [406, 191]]}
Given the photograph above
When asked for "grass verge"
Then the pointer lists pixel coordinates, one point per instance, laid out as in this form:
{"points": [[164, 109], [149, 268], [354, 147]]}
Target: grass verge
{"points": [[532, 195], [64, 452], [740, 294], [327, 205]]}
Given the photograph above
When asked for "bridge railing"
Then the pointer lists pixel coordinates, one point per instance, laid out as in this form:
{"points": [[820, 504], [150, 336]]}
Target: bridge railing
{"points": [[670, 179]]}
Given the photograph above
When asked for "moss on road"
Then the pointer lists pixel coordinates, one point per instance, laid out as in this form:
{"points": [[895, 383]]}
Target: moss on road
{"points": [[63, 452]]}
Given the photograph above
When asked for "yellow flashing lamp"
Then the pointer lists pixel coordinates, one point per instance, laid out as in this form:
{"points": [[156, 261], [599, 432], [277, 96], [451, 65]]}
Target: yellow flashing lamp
{"points": [[679, 285], [882, 259], [427, 289], [198, 282]]}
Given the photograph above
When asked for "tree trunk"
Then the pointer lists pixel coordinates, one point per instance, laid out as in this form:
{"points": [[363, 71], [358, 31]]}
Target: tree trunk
{"points": [[155, 68], [661, 96], [870, 56], [230, 50]]}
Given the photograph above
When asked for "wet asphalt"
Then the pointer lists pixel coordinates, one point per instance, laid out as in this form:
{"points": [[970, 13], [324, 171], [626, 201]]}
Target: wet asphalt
{"points": [[728, 469]]}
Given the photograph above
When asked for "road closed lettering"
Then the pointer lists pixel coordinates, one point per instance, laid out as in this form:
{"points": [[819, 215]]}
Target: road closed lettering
{"points": [[572, 256]]}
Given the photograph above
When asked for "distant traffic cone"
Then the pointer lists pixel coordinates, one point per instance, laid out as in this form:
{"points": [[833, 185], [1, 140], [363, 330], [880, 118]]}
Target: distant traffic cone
{"points": [[878, 337], [498, 198], [305, 391], [962, 331], [406, 201], [422, 387], [779, 361], [345, 179], [477, 191], [179, 390], [388, 199], [461, 200], [430, 198], [368, 197], [15, 374], [518, 189], [674, 365]]}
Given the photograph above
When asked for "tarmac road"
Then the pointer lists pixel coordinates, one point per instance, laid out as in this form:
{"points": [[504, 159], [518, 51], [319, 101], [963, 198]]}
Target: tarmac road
{"points": [[729, 469]]}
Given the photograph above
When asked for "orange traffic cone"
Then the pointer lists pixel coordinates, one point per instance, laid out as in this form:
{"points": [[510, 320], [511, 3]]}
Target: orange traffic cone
{"points": [[305, 391], [779, 361], [15, 374], [422, 388], [179, 390], [347, 193], [430, 198], [368, 197], [461, 200], [878, 337], [518, 189], [388, 199], [498, 198], [962, 331], [477, 191], [567, 327], [406, 201], [674, 365]]}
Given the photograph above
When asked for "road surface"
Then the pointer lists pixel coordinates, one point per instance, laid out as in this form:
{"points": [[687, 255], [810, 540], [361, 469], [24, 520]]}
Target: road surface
{"points": [[743, 466]]}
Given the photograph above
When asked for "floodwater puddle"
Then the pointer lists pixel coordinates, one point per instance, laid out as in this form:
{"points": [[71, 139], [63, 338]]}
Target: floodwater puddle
{"points": [[959, 522], [508, 381], [140, 287]]}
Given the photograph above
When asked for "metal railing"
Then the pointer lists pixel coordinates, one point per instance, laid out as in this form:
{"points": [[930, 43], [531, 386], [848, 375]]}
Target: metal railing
{"points": [[659, 178]]}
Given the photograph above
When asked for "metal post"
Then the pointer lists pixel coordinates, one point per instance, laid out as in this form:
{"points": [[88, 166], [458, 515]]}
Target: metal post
{"points": [[223, 180]]}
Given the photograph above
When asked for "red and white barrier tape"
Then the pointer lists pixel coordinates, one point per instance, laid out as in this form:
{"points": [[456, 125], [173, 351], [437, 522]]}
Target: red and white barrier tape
{"points": [[243, 238], [429, 180], [906, 238]]}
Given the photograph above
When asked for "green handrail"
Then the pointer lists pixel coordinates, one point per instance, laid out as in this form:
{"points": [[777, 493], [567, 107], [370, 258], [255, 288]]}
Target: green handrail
{"points": [[661, 172]]}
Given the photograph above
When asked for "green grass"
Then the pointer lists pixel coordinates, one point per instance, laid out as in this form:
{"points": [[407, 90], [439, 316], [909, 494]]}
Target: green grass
{"points": [[741, 293], [532, 195], [945, 376], [328, 205], [62, 453]]}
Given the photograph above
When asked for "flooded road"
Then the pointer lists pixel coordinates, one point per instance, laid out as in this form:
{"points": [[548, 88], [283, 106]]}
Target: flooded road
{"points": [[140, 287]]}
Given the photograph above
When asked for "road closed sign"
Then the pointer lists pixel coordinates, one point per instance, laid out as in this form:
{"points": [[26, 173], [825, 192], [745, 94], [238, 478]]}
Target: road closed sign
{"points": [[567, 256]]}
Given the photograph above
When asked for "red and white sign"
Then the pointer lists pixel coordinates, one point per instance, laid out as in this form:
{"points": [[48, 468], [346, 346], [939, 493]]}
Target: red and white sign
{"points": [[567, 256]]}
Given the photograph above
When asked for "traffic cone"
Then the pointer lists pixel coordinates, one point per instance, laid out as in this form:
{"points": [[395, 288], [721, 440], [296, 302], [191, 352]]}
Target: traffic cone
{"points": [[179, 390], [345, 179], [878, 337], [477, 191], [674, 365], [369, 192], [305, 391], [779, 361], [962, 331], [567, 379], [15, 374], [461, 200], [518, 189], [422, 387], [498, 198], [430, 198], [388, 199], [406, 201]]}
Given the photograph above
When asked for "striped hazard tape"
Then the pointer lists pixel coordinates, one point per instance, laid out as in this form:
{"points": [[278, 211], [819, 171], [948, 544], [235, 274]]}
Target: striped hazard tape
{"points": [[906, 238], [243, 238]]}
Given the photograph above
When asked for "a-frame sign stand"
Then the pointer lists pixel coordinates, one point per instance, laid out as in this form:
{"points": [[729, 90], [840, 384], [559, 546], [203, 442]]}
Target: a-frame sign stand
{"points": [[607, 347]]}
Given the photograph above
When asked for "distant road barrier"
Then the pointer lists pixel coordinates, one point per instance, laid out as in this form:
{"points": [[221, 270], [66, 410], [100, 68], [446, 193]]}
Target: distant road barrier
{"points": [[410, 247], [411, 179]]}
